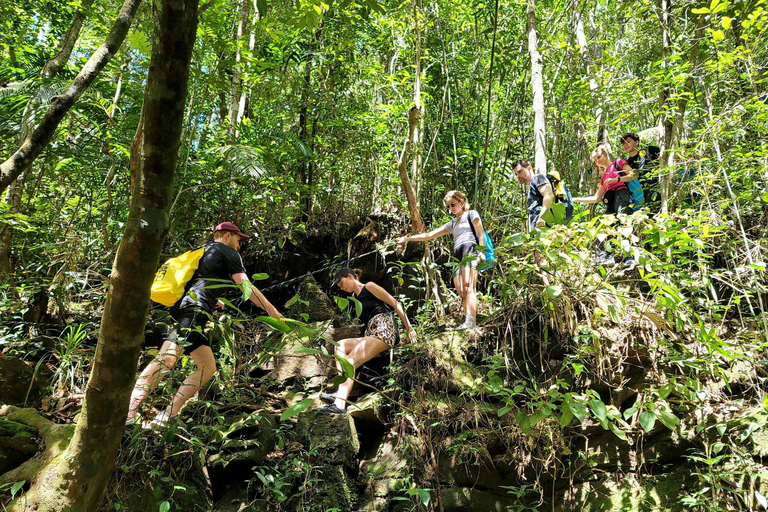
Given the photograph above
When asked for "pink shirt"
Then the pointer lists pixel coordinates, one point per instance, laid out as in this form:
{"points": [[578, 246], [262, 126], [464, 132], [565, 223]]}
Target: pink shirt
{"points": [[614, 171]]}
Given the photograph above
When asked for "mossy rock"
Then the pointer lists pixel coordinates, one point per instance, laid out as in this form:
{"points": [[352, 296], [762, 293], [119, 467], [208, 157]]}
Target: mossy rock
{"points": [[333, 437], [466, 499], [312, 302], [246, 441], [18, 443], [448, 350], [658, 493]]}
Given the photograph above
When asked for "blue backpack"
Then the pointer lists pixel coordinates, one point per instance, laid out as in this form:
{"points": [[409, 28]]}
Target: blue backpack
{"points": [[638, 198], [490, 255]]}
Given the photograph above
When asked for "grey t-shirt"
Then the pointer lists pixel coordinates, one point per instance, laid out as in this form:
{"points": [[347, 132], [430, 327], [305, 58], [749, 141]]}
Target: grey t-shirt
{"points": [[535, 198], [462, 232]]}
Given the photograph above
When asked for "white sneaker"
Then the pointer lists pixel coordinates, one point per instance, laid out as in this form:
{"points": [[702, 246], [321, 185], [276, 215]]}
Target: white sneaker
{"points": [[466, 325], [133, 420], [159, 423]]}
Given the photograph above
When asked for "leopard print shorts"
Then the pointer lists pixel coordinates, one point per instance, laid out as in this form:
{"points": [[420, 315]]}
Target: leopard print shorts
{"points": [[382, 326]]}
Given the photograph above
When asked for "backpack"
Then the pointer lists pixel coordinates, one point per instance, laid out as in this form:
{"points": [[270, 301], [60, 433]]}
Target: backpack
{"points": [[562, 196], [638, 198], [490, 255], [173, 275]]}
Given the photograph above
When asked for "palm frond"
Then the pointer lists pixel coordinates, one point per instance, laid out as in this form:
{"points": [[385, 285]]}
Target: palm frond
{"points": [[297, 143], [241, 159]]}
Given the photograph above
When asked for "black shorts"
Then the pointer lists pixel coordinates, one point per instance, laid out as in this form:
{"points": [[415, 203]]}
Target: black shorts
{"points": [[187, 331], [617, 201], [464, 249]]}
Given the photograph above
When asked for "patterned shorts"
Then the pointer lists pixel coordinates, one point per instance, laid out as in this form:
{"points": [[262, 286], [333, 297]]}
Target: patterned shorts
{"points": [[382, 326]]}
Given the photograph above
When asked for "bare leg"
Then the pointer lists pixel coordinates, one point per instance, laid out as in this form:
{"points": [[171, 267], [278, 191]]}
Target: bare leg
{"points": [[356, 351], [205, 367], [470, 280], [154, 372]]}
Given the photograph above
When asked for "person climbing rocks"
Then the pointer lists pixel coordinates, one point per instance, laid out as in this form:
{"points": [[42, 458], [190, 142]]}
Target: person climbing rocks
{"points": [[379, 334], [643, 160], [613, 191], [540, 193], [220, 261], [464, 243]]}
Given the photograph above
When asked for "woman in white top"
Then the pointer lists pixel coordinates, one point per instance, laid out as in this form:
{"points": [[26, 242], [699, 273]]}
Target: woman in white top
{"points": [[464, 243]]}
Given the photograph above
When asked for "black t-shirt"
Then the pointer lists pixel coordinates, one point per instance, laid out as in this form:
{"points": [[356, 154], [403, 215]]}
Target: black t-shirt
{"points": [[219, 261], [372, 306], [535, 198], [643, 162]]}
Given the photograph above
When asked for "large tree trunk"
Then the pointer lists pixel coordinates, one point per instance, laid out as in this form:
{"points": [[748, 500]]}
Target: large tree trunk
{"points": [[537, 84], [36, 142], [76, 480]]}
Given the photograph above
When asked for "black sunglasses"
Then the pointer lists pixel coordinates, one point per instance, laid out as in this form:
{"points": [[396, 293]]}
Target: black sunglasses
{"points": [[451, 205]]}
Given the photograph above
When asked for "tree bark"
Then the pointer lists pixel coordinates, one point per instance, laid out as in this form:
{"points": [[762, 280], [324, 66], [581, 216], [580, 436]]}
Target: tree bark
{"points": [[305, 169], [237, 73], [76, 480], [417, 225], [57, 62], [537, 84], [34, 144], [664, 14]]}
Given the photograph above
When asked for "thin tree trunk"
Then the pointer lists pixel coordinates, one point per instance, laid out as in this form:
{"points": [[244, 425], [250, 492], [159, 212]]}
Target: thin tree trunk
{"points": [[57, 62], [537, 84], [76, 480], [417, 226], [237, 72], [305, 169], [38, 140], [417, 144], [663, 12], [585, 163]]}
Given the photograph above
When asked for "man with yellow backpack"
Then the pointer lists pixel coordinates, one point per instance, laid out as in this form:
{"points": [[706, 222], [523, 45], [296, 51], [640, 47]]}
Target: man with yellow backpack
{"points": [[191, 285], [549, 201]]}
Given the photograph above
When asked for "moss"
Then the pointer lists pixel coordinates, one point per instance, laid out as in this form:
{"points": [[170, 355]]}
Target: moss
{"points": [[313, 303]]}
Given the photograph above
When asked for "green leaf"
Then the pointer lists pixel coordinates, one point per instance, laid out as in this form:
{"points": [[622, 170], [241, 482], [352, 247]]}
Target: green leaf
{"points": [[274, 323], [598, 408], [347, 369], [668, 419], [579, 409], [164, 506], [616, 430], [523, 422], [16, 487], [504, 410], [245, 288], [260, 276], [307, 350], [647, 421], [629, 412], [567, 416], [553, 291], [726, 22], [358, 307], [700, 10], [261, 5], [295, 409], [718, 35], [341, 302]]}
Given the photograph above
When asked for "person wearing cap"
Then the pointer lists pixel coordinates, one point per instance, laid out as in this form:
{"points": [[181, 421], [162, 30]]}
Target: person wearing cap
{"points": [[220, 261], [379, 335]]}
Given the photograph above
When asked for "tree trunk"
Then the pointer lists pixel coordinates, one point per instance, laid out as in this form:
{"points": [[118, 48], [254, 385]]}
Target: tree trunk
{"points": [[417, 145], [237, 73], [537, 84], [57, 62], [34, 144], [76, 480], [417, 225], [663, 12], [305, 169]]}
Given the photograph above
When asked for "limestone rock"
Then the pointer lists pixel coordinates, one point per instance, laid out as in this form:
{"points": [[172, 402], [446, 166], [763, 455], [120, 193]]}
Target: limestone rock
{"points": [[313, 303]]}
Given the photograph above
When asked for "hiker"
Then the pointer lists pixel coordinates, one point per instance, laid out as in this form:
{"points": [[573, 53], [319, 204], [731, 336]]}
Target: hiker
{"points": [[540, 193], [643, 160], [614, 175], [220, 261], [613, 191], [465, 240], [380, 332]]}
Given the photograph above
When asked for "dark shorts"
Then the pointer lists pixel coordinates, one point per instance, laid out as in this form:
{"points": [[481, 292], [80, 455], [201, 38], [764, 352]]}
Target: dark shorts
{"points": [[464, 249], [383, 327], [188, 327], [618, 201]]}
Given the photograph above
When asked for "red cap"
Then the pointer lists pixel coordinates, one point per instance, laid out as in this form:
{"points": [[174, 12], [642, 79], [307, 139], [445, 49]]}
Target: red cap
{"points": [[230, 226]]}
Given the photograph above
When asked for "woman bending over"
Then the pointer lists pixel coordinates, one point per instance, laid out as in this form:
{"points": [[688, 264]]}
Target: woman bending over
{"points": [[380, 332]]}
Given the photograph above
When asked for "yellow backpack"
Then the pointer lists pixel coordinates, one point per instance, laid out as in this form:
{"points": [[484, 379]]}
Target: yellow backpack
{"points": [[173, 275]]}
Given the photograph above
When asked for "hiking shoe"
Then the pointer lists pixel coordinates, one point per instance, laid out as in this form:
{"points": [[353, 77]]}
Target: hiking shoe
{"points": [[328, 397], [465, 326], [604, 259], [332, 409], [629, 263], [159, 423]]}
